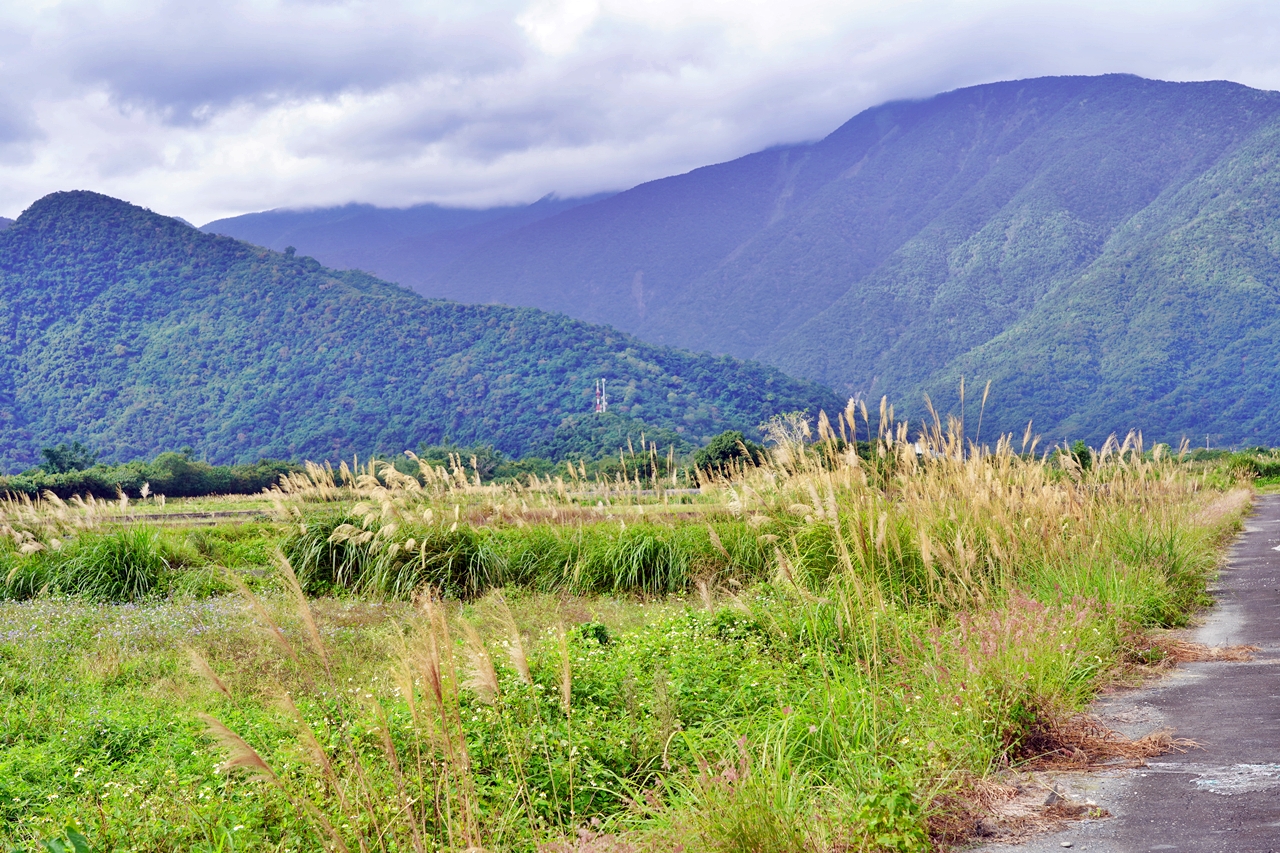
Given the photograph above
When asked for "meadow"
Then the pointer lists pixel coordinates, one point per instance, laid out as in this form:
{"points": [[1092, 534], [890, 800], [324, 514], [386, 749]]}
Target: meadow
{"points": [[837, 649]]}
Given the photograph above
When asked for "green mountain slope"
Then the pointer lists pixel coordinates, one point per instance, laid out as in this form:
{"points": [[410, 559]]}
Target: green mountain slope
{"points": [[1175, 325], [1046, 174], [135, 333]]}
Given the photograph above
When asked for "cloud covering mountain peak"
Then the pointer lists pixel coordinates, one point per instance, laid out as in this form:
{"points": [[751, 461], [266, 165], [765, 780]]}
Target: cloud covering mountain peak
{"points": [[208, 110]]}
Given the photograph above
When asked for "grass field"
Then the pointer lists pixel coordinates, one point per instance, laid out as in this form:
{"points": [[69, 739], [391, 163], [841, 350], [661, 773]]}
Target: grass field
{"points": [[828, 652]]}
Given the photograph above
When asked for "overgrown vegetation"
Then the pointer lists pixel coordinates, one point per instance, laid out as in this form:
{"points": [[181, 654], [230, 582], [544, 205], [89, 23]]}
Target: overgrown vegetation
{"points": [[819, 653]]}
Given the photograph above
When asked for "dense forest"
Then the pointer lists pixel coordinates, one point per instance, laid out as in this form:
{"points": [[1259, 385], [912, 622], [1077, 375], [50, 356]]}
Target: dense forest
{"points": [[136, 334]]}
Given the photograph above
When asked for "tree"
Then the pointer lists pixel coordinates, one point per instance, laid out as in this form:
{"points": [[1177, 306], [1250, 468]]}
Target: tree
{"points": [[1082, 454], [728, 448], [482, 457], [67, 457]]}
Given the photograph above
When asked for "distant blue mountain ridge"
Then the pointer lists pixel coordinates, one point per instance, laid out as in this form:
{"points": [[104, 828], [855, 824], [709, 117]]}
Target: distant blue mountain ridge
{"points": [[408, 245]]}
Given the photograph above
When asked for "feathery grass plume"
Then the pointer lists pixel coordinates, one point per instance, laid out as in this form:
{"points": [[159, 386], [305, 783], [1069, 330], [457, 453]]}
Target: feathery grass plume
{"points": [[204, 670], [784, 573], [239, 754], [482, 678], [406, 802], [436, 666], [264, 618], [312, 749], [515, 644], [427, 656], [304, 609], [242, 756], [986, 392], [705, 594], [566, 669], [717, 544]]}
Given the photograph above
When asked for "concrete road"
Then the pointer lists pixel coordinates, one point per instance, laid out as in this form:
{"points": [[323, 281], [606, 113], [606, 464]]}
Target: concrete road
{"points": [[1226, 796]]}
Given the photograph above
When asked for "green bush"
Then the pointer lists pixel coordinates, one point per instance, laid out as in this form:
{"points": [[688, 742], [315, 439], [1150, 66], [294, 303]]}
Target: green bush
{"points": [[336, 553]]}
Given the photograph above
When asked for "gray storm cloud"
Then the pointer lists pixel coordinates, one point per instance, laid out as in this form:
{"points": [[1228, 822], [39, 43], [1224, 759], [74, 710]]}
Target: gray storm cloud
{"points": [[203, 110], [186, 61]]}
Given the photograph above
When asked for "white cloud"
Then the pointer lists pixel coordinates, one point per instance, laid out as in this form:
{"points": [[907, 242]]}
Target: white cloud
{"points": [[203, 110], [556, 25]]}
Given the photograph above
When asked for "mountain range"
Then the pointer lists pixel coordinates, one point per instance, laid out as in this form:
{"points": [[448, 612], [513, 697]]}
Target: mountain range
{"points": [[410, 246], [136, 333], [1103, 250]]}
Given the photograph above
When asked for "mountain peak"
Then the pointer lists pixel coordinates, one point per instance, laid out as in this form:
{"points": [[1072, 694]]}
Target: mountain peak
{"points": [[95, 216], [76, 203]]}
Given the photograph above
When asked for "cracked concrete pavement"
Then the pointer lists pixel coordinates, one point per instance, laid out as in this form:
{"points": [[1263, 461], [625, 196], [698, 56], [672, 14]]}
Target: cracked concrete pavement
{"points": [[1224, 797]]}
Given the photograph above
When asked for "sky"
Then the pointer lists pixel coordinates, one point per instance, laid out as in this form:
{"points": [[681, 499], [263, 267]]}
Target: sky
{"points": [[204, 110]]}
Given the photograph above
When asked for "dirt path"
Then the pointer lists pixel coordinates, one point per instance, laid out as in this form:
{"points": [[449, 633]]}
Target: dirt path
{"points": [[1225, 796]]}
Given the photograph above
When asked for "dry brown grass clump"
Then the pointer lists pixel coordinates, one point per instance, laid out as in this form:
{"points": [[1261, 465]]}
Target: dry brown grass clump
{"points": [[1154, 653], [1083, 742], [1181, 651]]}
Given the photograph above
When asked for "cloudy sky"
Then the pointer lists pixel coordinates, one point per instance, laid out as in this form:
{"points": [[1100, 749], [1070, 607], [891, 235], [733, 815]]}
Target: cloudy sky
{"points": [[202, 109]]}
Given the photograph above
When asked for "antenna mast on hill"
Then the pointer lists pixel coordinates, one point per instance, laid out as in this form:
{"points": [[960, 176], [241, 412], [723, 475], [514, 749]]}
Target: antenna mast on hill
{"points": [[602, 399]]}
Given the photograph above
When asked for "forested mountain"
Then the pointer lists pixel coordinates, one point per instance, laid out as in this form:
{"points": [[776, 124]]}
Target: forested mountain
{"points": [[135, 333], [5, 223], [409, 246], [1103, 248]]}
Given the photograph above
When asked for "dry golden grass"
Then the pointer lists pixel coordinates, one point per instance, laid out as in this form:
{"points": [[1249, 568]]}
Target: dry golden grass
{"points": [[34, 524]]}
